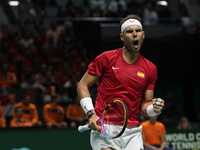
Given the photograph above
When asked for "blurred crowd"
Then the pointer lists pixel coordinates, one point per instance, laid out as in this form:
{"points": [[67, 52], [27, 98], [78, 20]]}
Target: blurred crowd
{"points": [[41, 56], [150, 11]]}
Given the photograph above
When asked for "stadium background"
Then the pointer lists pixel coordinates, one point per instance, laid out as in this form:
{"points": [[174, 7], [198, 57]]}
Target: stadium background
{"points": [[172, 47]]}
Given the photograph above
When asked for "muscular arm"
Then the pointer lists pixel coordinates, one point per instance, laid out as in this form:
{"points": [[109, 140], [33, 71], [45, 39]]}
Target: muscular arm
{"points": [[83, 91], [148, 100], [83, 86]]}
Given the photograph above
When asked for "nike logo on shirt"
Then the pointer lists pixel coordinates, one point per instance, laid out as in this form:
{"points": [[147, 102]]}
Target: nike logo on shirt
{"points": [[114, 68]]}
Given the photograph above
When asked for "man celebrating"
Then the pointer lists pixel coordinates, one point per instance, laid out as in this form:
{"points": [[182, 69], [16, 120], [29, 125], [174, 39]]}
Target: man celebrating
{"points": [[126, 75]]}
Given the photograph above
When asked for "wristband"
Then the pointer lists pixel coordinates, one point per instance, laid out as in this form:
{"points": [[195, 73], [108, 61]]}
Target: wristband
{"points": [[86, 104], [150, 111]]}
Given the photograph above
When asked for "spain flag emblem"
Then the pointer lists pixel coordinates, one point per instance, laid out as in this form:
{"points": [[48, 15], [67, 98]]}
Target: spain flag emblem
{"points": [[140, 74]]}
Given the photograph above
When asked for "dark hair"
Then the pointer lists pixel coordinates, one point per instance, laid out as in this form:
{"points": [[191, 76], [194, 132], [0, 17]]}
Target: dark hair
{"points": [[130, 17], [23, 96]]}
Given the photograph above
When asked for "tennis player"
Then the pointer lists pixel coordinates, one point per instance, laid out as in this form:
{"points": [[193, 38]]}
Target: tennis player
{"points": [[126, 75]]}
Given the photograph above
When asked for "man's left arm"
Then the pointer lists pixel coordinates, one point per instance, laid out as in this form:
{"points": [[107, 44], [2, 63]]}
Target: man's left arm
{"points": [[151, 106]]}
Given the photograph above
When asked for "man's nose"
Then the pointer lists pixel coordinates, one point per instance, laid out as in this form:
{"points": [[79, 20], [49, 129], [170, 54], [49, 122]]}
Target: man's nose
{"points": [[134, 33]]}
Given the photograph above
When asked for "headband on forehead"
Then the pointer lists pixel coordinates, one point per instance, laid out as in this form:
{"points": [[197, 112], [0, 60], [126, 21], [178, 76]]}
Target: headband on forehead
{"points": [[130, 22]]}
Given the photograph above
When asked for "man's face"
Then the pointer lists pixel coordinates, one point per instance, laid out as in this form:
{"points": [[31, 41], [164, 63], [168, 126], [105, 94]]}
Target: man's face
{"points": [[133, 38], [58, 99], [27, 100], [19, 112]]}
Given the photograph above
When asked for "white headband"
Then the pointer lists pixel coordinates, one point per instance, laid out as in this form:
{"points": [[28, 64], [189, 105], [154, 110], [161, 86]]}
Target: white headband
{"points": [[130, 22]]}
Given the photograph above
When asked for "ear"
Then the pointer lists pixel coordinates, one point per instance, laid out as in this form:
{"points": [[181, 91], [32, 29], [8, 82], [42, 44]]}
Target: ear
{"points": [[121, 36], [143, 34]]}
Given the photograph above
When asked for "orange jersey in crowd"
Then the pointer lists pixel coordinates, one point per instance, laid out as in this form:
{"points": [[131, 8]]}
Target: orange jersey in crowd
{"points": [[29, 112], [2, 120], [9, 82], [153, 132], [53, 113], [75, 111], [20, 122]]}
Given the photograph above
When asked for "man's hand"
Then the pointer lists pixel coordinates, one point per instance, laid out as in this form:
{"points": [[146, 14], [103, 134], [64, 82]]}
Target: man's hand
{"points": [[158, 105], [92, 123]]}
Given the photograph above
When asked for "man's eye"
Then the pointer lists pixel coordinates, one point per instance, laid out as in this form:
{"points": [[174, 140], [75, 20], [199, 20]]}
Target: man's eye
{"points": [[129, 31], [139, 30]]}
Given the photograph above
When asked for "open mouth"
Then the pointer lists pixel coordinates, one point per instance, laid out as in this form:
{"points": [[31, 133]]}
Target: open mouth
{"points": [[135, 42]]}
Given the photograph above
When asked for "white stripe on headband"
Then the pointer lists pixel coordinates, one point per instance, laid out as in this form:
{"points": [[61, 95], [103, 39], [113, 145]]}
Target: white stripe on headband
{"points": [[130, 22]]}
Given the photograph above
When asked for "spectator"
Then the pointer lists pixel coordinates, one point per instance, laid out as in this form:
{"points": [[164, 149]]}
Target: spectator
{"points": [[97, 12], [30, 82], [75, 114], [82, 57], [70, 9], [73, 82], [153, 134], [22, 71], [54, 114], [8, 79], [40, 77], [184, 123], [82, 70], [2, 118], [63, 75], [113, 5], [135, 8], [36, 11], [19, 120], [54, 32], [50, 87], [83, 10], [27, 41], [51, 45], [98, 8], [37, 29], [41, 38], [30, 112], [98, 3], [121, 12], [184, 15], [150, 16]]}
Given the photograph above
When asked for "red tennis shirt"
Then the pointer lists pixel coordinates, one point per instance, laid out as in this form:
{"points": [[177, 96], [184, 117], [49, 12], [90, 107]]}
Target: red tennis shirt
{"points": [[123, 81]]}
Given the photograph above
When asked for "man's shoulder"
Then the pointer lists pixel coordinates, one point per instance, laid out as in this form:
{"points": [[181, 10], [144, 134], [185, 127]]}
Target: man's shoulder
{"points": [[147, 61], [32, 105], [109, 55], [18, 104], [48, 105]]}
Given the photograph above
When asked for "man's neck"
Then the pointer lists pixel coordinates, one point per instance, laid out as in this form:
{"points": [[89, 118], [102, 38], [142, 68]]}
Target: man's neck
{"points": [[130, 57]]}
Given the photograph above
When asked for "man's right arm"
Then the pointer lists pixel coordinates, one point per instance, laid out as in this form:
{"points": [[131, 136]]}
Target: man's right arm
{"points": [[84, 94], [83, 86]]}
